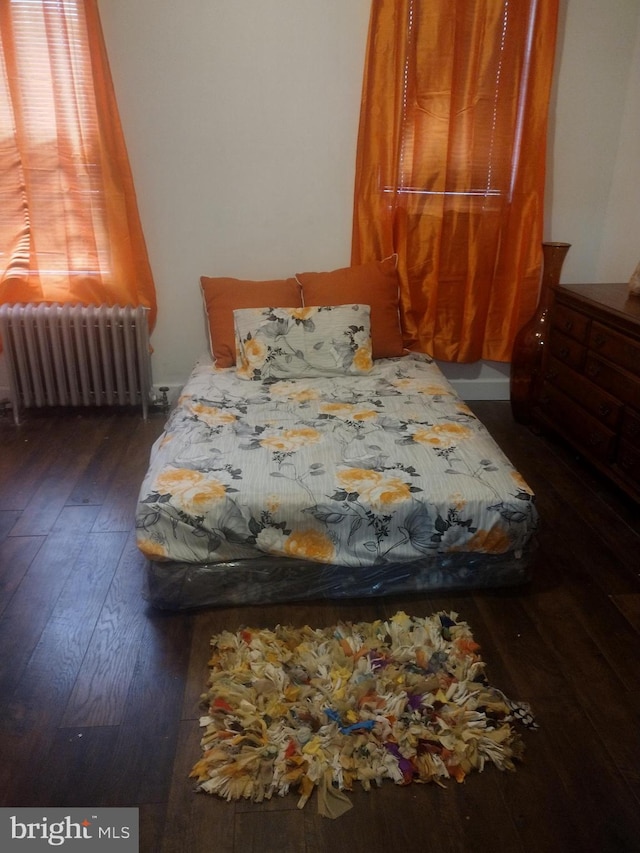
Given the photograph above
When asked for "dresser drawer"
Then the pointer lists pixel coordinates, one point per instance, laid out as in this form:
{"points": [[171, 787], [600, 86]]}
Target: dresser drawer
{"points": [[630, 428], [577, 425], [571, 322], [589, 388], [627, 463], [615, 347], [595, 400], [620, 383], [567, 350]]}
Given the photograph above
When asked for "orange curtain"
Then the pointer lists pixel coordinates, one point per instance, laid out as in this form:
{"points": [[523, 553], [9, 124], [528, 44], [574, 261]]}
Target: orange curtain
{"points": [[69, 224], [450, 166]]}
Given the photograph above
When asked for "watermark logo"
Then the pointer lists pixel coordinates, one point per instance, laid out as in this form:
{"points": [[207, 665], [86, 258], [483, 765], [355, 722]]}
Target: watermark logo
{"points": [[33, 829]]}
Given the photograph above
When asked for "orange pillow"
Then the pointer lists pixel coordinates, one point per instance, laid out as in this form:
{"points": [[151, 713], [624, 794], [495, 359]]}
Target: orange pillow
{"points": [[222, 295], [375, 284]]}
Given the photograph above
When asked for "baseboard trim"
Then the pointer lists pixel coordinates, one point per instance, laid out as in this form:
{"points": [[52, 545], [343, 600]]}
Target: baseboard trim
{"points": [[481, 389], [468, 389]]}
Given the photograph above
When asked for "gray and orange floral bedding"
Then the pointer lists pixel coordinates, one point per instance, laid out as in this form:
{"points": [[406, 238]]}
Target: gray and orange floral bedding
{"points": [[386, 468]]}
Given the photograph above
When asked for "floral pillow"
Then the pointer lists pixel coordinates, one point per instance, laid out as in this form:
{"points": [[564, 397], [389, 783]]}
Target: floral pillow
{"points": [[288, 343]]}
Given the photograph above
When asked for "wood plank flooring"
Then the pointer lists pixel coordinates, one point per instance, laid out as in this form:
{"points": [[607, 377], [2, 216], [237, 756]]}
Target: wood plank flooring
{"points": [[99, 692]]}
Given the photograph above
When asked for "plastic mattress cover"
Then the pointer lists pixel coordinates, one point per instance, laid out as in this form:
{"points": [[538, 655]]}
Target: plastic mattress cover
{"points": [[267, 580]]}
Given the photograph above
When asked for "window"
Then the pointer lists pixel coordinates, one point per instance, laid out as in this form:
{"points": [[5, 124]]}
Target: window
{"points": [[69, 226], [470, 125], [450, 167]]}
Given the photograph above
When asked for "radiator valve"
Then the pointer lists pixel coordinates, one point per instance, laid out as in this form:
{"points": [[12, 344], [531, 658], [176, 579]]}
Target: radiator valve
{"points": [[164, 399]]}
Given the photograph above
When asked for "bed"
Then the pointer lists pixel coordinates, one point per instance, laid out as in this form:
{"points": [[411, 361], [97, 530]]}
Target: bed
{"points": [[312, 456]]}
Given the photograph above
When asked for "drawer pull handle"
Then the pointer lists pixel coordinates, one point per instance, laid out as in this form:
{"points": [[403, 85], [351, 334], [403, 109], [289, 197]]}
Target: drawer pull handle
{"points": [[599, 340], [564, 352], [593, 370], [552, 373], [604, 410], [595, 439], [568, 324]]}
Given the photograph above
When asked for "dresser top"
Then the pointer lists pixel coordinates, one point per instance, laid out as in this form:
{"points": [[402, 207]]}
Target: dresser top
{"points": [[613, 298]]}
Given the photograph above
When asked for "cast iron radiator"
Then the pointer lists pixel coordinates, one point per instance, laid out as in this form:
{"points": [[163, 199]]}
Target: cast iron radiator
{"points": [[76, 355]]}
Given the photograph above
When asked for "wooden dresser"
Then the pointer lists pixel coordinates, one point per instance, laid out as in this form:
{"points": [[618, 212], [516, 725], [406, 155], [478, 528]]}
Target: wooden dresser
{"points": [[590, 382]]}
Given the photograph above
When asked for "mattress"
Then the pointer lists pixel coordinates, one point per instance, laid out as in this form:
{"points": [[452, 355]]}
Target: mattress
{"points": [[328, 487]]}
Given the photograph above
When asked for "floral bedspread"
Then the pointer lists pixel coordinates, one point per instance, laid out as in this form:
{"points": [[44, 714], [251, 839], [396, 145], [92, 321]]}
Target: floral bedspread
{"points": [[347, 470]]}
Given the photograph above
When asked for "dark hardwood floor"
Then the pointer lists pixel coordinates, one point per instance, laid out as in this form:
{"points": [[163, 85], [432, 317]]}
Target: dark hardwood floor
{"points": [[99, 693]]}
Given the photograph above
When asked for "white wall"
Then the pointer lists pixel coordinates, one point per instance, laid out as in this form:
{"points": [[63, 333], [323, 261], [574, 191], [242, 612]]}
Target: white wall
{"points": [[241, 120], [593, 188]]}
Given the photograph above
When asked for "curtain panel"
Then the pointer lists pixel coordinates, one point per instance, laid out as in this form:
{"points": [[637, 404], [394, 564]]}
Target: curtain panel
{"points": [[69, 224], [450, 166]]}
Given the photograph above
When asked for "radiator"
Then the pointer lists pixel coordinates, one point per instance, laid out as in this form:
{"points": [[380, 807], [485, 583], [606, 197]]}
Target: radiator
{"points": [[76, 355]]}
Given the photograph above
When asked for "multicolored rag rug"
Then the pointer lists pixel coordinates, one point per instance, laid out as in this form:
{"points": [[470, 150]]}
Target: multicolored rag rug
{"points": [[303, 709]]}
